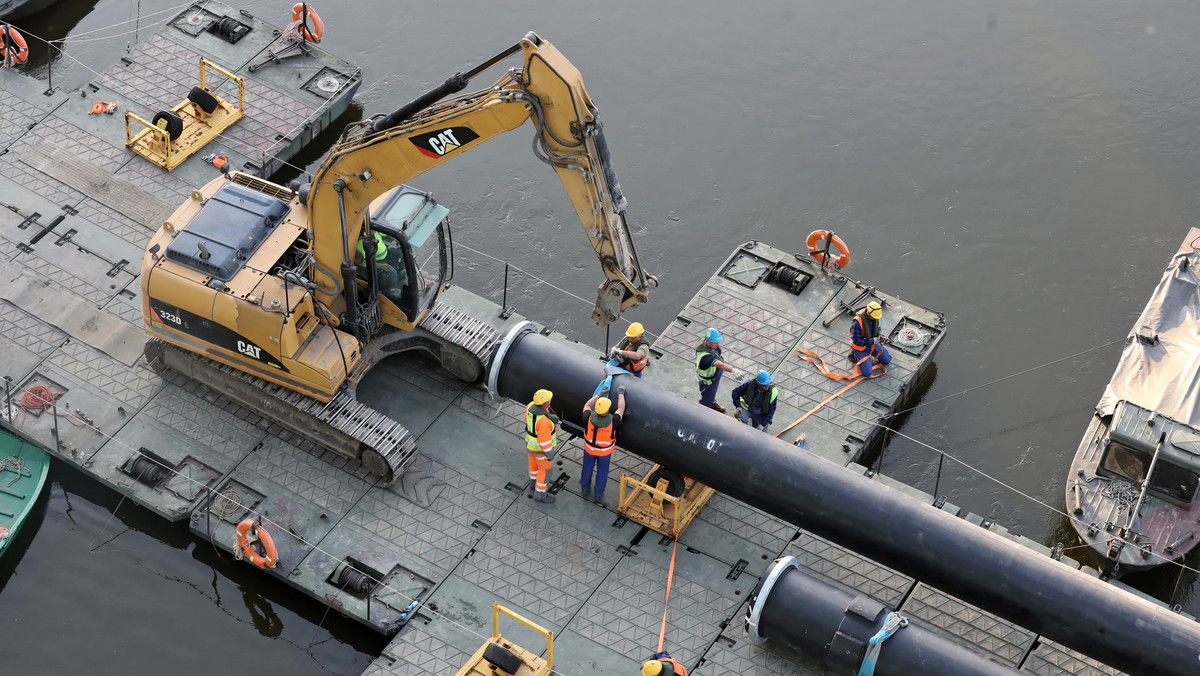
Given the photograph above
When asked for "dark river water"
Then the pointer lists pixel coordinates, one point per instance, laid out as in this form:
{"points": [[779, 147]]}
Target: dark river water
{"points": [[1027, 168]]}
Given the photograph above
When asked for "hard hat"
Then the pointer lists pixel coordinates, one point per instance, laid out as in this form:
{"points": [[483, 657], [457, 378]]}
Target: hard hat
{"points": [[652, 668], [603, 404], [712, 336], [542, 396], [875, 310], [763, 378], [635, 330]]}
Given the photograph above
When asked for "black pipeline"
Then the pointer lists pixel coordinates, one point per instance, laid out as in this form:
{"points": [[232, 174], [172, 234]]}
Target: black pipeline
{"points": [[879, 522], [836, 626]]}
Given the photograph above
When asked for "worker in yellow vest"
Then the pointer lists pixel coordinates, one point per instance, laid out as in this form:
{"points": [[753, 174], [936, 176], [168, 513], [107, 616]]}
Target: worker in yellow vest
{"points": [[540, 427], [599, 440]]}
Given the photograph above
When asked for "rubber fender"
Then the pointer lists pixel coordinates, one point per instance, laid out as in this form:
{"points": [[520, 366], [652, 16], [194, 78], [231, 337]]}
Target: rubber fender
{"points": [[675, 484], [174, 122], [201, 97], [502, 658]]}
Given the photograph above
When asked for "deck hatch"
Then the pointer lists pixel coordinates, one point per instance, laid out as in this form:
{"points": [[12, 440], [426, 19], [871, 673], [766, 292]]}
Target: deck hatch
{"points": [[328, 82], [229, 228], [195, 20], [912, 336], [747, 269]]}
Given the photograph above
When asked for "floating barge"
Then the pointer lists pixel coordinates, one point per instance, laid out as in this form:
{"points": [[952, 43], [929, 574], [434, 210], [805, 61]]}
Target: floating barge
{"points": [[457, 532]]}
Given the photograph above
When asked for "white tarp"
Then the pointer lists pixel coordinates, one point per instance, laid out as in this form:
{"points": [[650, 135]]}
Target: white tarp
{"points": [[1160, 365]]}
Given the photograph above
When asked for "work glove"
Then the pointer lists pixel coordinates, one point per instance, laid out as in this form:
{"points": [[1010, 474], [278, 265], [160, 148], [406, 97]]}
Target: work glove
{"points": [[620, 390], [738, 414], [738, 375], [614, 353]]}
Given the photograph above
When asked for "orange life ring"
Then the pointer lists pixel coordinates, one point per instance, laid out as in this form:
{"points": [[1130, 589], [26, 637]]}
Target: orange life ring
{"points": [[255, 543], [816, 247], [318, 27], [10, 35]]}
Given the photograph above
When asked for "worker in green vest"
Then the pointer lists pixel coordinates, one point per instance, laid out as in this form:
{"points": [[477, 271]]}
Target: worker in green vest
{"points": [[709, 367], [754, 401], [385, 264]]}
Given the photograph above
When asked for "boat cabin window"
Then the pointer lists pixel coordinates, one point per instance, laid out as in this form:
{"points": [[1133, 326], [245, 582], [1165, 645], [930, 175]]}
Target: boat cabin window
{"points": [[1170, 481], [1174, 482], [1124, 462]]}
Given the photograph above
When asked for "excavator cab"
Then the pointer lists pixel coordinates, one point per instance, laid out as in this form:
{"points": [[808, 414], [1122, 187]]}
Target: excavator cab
{"points": [[417, 264]]}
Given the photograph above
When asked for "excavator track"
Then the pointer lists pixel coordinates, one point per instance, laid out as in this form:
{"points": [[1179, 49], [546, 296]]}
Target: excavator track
{"points": [[343, 425], [461, 329]]}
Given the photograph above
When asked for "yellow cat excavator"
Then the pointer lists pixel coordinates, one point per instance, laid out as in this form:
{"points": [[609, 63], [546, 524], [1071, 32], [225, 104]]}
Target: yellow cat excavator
{"points": [[283, 297]]}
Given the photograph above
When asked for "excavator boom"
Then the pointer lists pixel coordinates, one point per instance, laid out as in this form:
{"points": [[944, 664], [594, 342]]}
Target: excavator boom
{"points": [[378, 154]]}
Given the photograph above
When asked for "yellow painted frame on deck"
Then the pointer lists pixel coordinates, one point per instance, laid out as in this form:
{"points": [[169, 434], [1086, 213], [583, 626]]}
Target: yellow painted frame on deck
{"points": [[656, 509], [199, 127], [531, 664]]}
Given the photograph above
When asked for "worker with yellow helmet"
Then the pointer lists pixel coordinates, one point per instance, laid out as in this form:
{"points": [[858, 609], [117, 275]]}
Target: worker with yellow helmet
{"points": [[662, 664], [866, 340], [632, 353], [599, 440], [540, 427]]}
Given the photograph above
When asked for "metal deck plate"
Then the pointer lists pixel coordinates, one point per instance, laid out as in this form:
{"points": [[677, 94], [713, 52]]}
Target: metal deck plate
{"points": [[840, 565], [1052, 659], [968, 625]]}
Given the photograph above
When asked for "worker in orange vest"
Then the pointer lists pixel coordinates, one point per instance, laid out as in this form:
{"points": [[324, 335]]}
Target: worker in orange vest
{"points": [[866, 341], [632, 353], [659, 665], [599, 440], [540, 427]]}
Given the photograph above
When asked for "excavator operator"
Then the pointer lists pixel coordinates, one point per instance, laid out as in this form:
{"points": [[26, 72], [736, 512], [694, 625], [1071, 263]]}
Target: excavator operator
{"points": [[388, 264]]}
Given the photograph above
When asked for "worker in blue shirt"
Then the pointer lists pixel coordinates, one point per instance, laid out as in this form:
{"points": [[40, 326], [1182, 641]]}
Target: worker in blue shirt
{"points": [[865, 340], [755, 401], [709, 368]]}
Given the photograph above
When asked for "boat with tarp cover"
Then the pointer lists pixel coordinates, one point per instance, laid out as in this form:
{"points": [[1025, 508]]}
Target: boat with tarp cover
{"points": [[1132, 489], [23, 470]]}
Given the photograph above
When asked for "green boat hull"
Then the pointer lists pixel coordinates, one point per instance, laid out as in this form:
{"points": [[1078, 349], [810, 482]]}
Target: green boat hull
{"points": [[23, 470]]}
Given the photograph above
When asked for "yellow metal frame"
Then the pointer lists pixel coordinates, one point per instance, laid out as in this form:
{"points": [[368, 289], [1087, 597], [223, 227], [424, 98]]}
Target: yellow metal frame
{"points": [[656, 509], [531, 664], [199, 127]]}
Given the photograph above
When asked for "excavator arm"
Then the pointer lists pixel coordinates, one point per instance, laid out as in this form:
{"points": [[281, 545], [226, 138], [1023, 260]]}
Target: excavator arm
{"points": [[380, 153]]}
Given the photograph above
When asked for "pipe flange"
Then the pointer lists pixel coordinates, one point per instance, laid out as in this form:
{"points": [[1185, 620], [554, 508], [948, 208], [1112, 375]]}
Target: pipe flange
{"points": [[498, 361], [758, 600]]}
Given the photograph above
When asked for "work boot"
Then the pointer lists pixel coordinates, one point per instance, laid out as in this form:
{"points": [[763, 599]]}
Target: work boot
{"points": [[598, 498], [718, 408], [540, 496]]}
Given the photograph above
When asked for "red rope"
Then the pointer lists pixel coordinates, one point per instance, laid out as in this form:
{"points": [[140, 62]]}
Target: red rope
{"points": [[37, 398]]}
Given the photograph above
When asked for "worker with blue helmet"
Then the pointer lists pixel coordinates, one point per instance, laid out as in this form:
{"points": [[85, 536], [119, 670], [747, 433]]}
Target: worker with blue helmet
{"points": [[755, 401], [709, 367]]}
